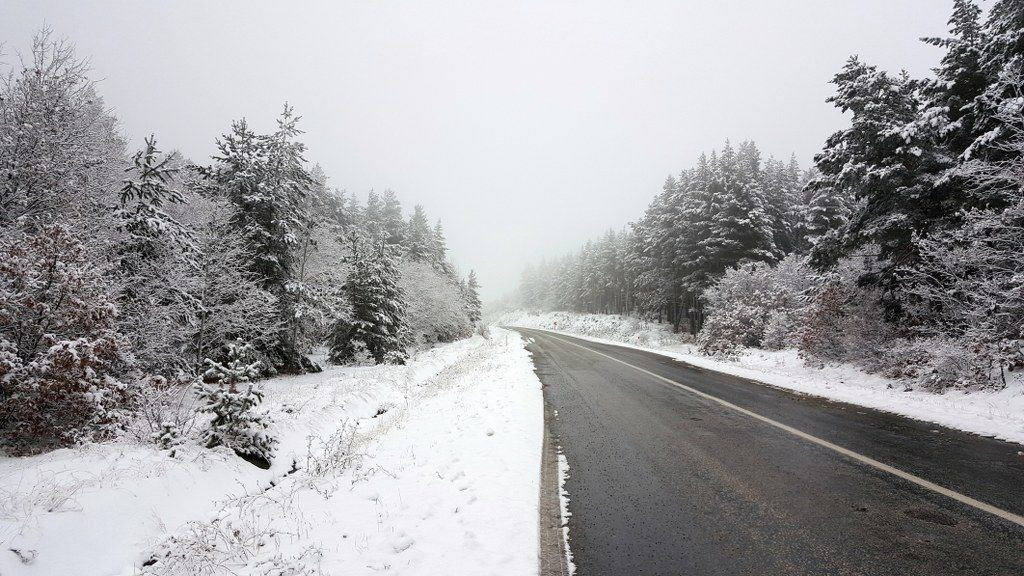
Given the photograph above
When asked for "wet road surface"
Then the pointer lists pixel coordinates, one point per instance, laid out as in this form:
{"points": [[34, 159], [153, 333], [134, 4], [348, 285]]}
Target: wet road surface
{"points": [[666, 481]]}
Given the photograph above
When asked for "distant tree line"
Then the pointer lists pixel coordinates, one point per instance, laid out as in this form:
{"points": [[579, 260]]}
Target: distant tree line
{"points": [[900, 249]]}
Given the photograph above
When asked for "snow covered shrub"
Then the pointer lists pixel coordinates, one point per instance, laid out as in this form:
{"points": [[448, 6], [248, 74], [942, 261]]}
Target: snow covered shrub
{"points": [[162, 403], [780, 330], [730, 329], [62, 363], [168, 436], [334, 454], [952, 365], [822, 328], [231, 398], [238, 541], [844, 322], [435, 306], [741, 304]]}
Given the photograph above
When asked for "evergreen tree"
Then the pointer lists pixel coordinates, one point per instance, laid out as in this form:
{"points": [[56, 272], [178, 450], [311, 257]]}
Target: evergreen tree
{"points": [[889, 171], [781, 184], [419, 239], [391, 221], [377, 324], [1002, 63], [265, 178], [229, 396], [828, 210], [228, 300], [949, 110], [473, 305], [740, 230], [439, 249], [143, 198], [373, 216], [697, 214]]}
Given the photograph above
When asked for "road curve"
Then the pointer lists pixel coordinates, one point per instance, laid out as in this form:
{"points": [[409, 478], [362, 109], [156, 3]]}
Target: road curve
{"points": [[695, 480]]}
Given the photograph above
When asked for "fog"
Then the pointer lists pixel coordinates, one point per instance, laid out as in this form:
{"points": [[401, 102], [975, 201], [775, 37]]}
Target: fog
{"points": [[526, 127]]}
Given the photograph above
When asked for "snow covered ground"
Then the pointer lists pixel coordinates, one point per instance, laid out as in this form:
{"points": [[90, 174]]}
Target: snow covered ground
{"points": [[429, 468], [990, 413]]}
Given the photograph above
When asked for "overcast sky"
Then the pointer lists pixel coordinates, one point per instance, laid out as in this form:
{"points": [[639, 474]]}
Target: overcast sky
{"points": [[526, 127]]}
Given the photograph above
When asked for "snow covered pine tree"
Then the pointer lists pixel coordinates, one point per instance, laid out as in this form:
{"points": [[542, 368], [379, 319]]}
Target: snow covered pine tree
{"points": [[377, 325], [231, 398]]}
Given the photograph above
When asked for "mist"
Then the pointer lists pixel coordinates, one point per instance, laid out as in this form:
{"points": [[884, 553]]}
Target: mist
{"points": [[525, 127]]}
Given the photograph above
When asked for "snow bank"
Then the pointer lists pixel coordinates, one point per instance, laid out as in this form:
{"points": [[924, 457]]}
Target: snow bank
{"points": [[618, 329], [410, 469], [998, 414], [563, 506]]}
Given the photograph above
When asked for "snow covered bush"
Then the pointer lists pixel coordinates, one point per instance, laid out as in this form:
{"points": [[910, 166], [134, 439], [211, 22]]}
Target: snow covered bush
{"points": [[168, 436], [749, 298], [780, 330], [845, 322], [435, 307], [62, 363], [231, 398]]}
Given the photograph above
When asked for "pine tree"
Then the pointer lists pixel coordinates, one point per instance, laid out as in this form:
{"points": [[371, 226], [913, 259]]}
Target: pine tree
{"points": [[419, 238], [142, 203], [439, 250], [473, 305], [230, 397], [696, 218], [827, 212], [377, 324], [1002, 63], [949, 110], [155, 255], [265, 178], [228, 300], [782, 194], [391, 219], [888, 170], [740, 230], [373, 216]]}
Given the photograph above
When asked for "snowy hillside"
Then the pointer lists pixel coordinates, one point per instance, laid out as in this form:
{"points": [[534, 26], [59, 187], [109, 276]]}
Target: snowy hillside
{"points": [[399, 469], [986, 412]]}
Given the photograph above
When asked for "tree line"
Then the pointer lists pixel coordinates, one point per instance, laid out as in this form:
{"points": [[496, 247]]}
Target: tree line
{"points": [[126, 278], [899, 248]]}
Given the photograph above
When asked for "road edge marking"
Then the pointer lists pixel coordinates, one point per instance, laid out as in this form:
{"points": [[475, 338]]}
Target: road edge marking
{"points": [[962, 498]]}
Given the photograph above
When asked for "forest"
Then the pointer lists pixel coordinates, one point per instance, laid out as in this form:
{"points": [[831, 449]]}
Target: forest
{"points": [[131, 280], [899, 250]]}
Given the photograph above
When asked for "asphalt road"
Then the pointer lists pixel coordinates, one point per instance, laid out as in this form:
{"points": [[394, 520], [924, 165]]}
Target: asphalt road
{"points": [[664, 480]]}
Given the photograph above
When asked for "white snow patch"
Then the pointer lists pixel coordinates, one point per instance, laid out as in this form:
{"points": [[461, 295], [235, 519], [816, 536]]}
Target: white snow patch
{"points": [[995, 413], [563, 504], [419, 489]]}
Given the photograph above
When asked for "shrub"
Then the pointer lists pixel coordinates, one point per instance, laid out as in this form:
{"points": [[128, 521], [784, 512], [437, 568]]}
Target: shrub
{"points": [[844, 322], [780, 330], [62, 363], [741, 305]]}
